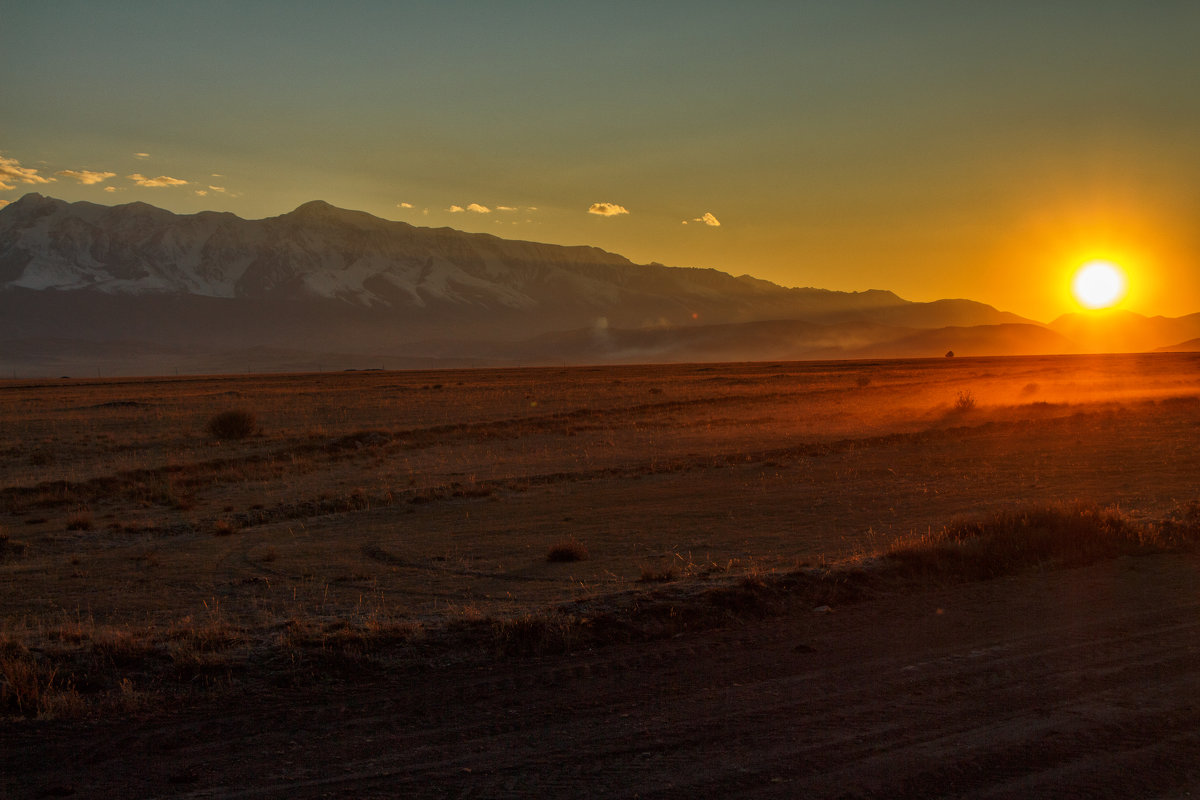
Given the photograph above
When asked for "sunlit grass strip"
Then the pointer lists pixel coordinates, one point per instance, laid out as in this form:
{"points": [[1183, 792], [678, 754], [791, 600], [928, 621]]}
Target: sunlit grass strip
{"points": [[1056, 535]]}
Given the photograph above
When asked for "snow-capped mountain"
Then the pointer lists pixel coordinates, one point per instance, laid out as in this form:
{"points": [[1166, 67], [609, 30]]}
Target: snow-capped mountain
{"points": [[323, 279], [322, 252]]}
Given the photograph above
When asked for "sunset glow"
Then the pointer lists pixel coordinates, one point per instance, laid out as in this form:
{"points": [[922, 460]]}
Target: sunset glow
{"points": [[839, 146]]}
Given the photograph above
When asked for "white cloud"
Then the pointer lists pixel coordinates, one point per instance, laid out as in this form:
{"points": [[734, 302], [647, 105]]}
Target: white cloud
{"points": [[110, 188], [86, 176], [11, 172], [404, 205], [155, 183], [216, 188], [456, 209], [506, 208], [607, 209], [202, 192], [141, 155], [478, 209], [708, 219]]}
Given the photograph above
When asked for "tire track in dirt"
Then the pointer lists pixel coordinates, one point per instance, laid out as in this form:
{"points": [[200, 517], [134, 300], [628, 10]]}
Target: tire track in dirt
{"points": [[1079, 681]]}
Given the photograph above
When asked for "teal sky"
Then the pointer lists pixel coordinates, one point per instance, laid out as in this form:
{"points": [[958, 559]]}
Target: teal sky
{"points": [[938, 149]]}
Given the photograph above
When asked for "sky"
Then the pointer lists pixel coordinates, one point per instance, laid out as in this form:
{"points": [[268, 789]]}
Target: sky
{"points": [[937, 149]]}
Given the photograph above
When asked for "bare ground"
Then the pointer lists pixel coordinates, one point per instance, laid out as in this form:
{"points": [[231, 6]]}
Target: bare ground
{"points": [[375, 502], [1075, 682]]}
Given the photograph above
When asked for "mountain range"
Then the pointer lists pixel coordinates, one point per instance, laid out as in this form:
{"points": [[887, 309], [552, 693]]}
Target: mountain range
{"points": [[135, 288]]}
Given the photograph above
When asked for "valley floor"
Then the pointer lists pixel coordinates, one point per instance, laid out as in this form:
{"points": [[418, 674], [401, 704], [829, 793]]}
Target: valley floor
{"points": [[354, 601]]}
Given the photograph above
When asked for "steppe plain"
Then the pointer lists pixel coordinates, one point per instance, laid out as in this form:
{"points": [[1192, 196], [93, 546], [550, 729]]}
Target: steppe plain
{"points": [[359, 600]]}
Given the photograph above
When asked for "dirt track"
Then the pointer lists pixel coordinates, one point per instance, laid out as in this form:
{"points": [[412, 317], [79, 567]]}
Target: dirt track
{"points": [[1066, 683]]}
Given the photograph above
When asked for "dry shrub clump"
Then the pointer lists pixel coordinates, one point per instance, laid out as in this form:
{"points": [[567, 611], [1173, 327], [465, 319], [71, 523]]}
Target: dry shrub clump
{"points": [[658, 574], [29, 687], [536, 634], [1056, 535], [9, 546], [567, 550], [964, 402], [81, 520], [234, 424]]}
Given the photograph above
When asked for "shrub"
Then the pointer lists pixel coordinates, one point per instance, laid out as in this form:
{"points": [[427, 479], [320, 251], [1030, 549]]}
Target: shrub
{"points": [[235, 424], [567, 550], [8, 545], [80, 521], [1065, 534], [661, 574], [535, 634], [964, 402]]}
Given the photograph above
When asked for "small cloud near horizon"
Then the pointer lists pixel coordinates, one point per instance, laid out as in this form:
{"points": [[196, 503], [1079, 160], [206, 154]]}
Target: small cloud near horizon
{"points": [[141, 155], [11, 170], [86, 176], [456, 209], [607, 209], [156, 183], [404, 205], [475, 208], [707, 219]]}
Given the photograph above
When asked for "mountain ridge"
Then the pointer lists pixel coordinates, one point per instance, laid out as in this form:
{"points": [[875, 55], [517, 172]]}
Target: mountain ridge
{"points": [[321, 279]]}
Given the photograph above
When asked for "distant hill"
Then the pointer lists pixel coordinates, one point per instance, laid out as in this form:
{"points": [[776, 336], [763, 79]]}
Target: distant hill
{"points": [[1190, 346], [774, 340], [137, 289], [1120, 331]]}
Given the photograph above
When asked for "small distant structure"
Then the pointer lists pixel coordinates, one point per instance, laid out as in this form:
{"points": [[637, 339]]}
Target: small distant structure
{"points": [[949, 354]]}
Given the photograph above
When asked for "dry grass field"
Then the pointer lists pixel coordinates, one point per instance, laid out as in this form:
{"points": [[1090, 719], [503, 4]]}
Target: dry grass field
{"points": [[154, 555]]}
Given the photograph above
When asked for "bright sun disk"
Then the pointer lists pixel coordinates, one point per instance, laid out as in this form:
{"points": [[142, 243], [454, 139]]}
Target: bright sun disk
{"points": [[1098, 284]]}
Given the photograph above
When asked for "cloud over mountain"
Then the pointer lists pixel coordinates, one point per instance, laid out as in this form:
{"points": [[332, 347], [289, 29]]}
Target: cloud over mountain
{"points": [[86, 176], [707, 219], [156, 183], [11, 173], [607, 209]]}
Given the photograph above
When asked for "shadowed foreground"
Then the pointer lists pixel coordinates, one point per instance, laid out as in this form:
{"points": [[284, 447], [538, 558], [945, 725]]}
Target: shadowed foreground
{"points": [[1078, 681]]}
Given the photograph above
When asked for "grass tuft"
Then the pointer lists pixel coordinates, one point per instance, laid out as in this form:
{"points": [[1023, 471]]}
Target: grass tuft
{"points": [[80, 521], [234, 424], [535, 634], [567, 550], [1055, 535], [658, 574]]}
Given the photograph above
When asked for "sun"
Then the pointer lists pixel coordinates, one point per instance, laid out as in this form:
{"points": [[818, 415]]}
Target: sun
{"points": [[1098, 284]]}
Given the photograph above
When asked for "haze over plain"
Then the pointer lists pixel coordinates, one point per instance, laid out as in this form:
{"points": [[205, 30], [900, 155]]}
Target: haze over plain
{"points": [[932, 149]]}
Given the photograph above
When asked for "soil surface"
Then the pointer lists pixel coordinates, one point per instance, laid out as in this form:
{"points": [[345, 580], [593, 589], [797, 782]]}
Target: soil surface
{"points": [[301, 589], [1074, 682]]}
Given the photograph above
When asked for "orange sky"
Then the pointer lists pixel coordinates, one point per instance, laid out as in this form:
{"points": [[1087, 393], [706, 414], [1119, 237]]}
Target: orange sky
{"points": [[936, 149]]}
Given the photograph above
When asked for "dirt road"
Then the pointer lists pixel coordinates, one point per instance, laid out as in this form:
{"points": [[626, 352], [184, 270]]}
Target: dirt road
{"points": [[1081, 682]]}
